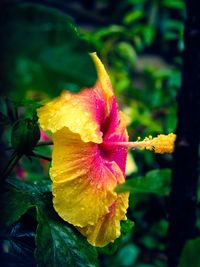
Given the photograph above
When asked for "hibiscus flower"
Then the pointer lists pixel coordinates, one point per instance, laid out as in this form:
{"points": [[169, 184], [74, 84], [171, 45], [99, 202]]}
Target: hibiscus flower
{"points": [[89, 158]]}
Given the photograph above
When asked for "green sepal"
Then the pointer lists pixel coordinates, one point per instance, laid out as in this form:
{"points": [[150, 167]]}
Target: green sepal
{"points": [[25, 135]]}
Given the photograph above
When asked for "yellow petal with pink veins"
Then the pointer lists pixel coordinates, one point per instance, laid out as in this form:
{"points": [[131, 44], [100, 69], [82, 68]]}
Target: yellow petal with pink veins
{"points": [[83, 182], [75, 111], [104, 79], [107, 229], [82, 113]]}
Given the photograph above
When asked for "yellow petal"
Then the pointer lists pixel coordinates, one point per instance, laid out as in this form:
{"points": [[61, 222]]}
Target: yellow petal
{"points": [[103, 78], [81, 112], [78, 112], [130, 164], [83, 182], [107, 229]]}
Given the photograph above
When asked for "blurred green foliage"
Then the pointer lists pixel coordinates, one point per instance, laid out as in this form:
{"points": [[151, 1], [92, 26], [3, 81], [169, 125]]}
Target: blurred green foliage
{"points": [[43, 52], [155, 182], [140, 42], [190, 254]]}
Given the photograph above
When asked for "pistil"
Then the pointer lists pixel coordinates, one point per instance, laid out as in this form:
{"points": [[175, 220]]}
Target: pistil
{"points": [[160, 144]]}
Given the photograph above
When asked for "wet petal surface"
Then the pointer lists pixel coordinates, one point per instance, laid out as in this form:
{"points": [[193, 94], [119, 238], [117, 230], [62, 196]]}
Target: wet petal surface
{"points": [[83, 182], [107, 229]]}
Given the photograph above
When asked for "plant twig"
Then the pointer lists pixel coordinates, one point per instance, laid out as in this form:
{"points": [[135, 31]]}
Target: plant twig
{"points": [[37, 155], [15, 157], [49, 143]]}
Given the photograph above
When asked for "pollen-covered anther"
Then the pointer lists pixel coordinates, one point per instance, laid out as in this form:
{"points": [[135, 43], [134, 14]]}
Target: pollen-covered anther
{"points": [[161, 144]]}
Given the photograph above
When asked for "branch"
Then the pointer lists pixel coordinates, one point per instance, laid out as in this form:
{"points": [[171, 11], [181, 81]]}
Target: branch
{"points": [[37, 155], [183, 199], [49, 143], [15, 157]]}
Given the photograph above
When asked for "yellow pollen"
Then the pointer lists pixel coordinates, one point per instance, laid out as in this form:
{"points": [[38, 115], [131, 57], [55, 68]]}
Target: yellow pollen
{"points": [[161, 144]]}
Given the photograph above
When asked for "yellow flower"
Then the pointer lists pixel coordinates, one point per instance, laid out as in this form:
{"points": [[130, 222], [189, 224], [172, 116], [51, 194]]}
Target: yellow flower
{"points": [[84, 169], [89, 158]]}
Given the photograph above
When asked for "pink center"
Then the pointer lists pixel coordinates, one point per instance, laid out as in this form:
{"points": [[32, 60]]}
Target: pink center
{"points": [[113, 133]]}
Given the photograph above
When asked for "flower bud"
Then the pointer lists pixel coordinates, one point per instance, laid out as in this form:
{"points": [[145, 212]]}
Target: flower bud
{"points": [[25, 135]]}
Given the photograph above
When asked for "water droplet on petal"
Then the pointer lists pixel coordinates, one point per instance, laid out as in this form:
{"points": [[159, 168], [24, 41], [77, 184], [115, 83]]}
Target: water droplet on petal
{"points": [[99, 186]]}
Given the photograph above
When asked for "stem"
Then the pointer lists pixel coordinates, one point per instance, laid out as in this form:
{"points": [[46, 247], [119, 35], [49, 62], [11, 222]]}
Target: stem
{"points": [[37, 155], [16, 115], [10, 111], [49, 143], [11, 164], [183, 198]]}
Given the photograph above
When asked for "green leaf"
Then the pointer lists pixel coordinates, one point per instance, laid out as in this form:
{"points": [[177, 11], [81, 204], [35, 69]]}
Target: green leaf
{"points": [[190, 254], [19, 244], [58, 244], [148, 35], [54, 59], [35, 188], [138, 1], [133, 16], [126, 227], [173, 25], [127, 52], [178, 4], [156, 182], [113, 30], [46, 52], [14, 203], [19, 197]]}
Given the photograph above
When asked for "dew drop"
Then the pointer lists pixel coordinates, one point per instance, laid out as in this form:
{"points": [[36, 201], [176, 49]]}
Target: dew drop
{"points": [[67, 97], [99, 186]]}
